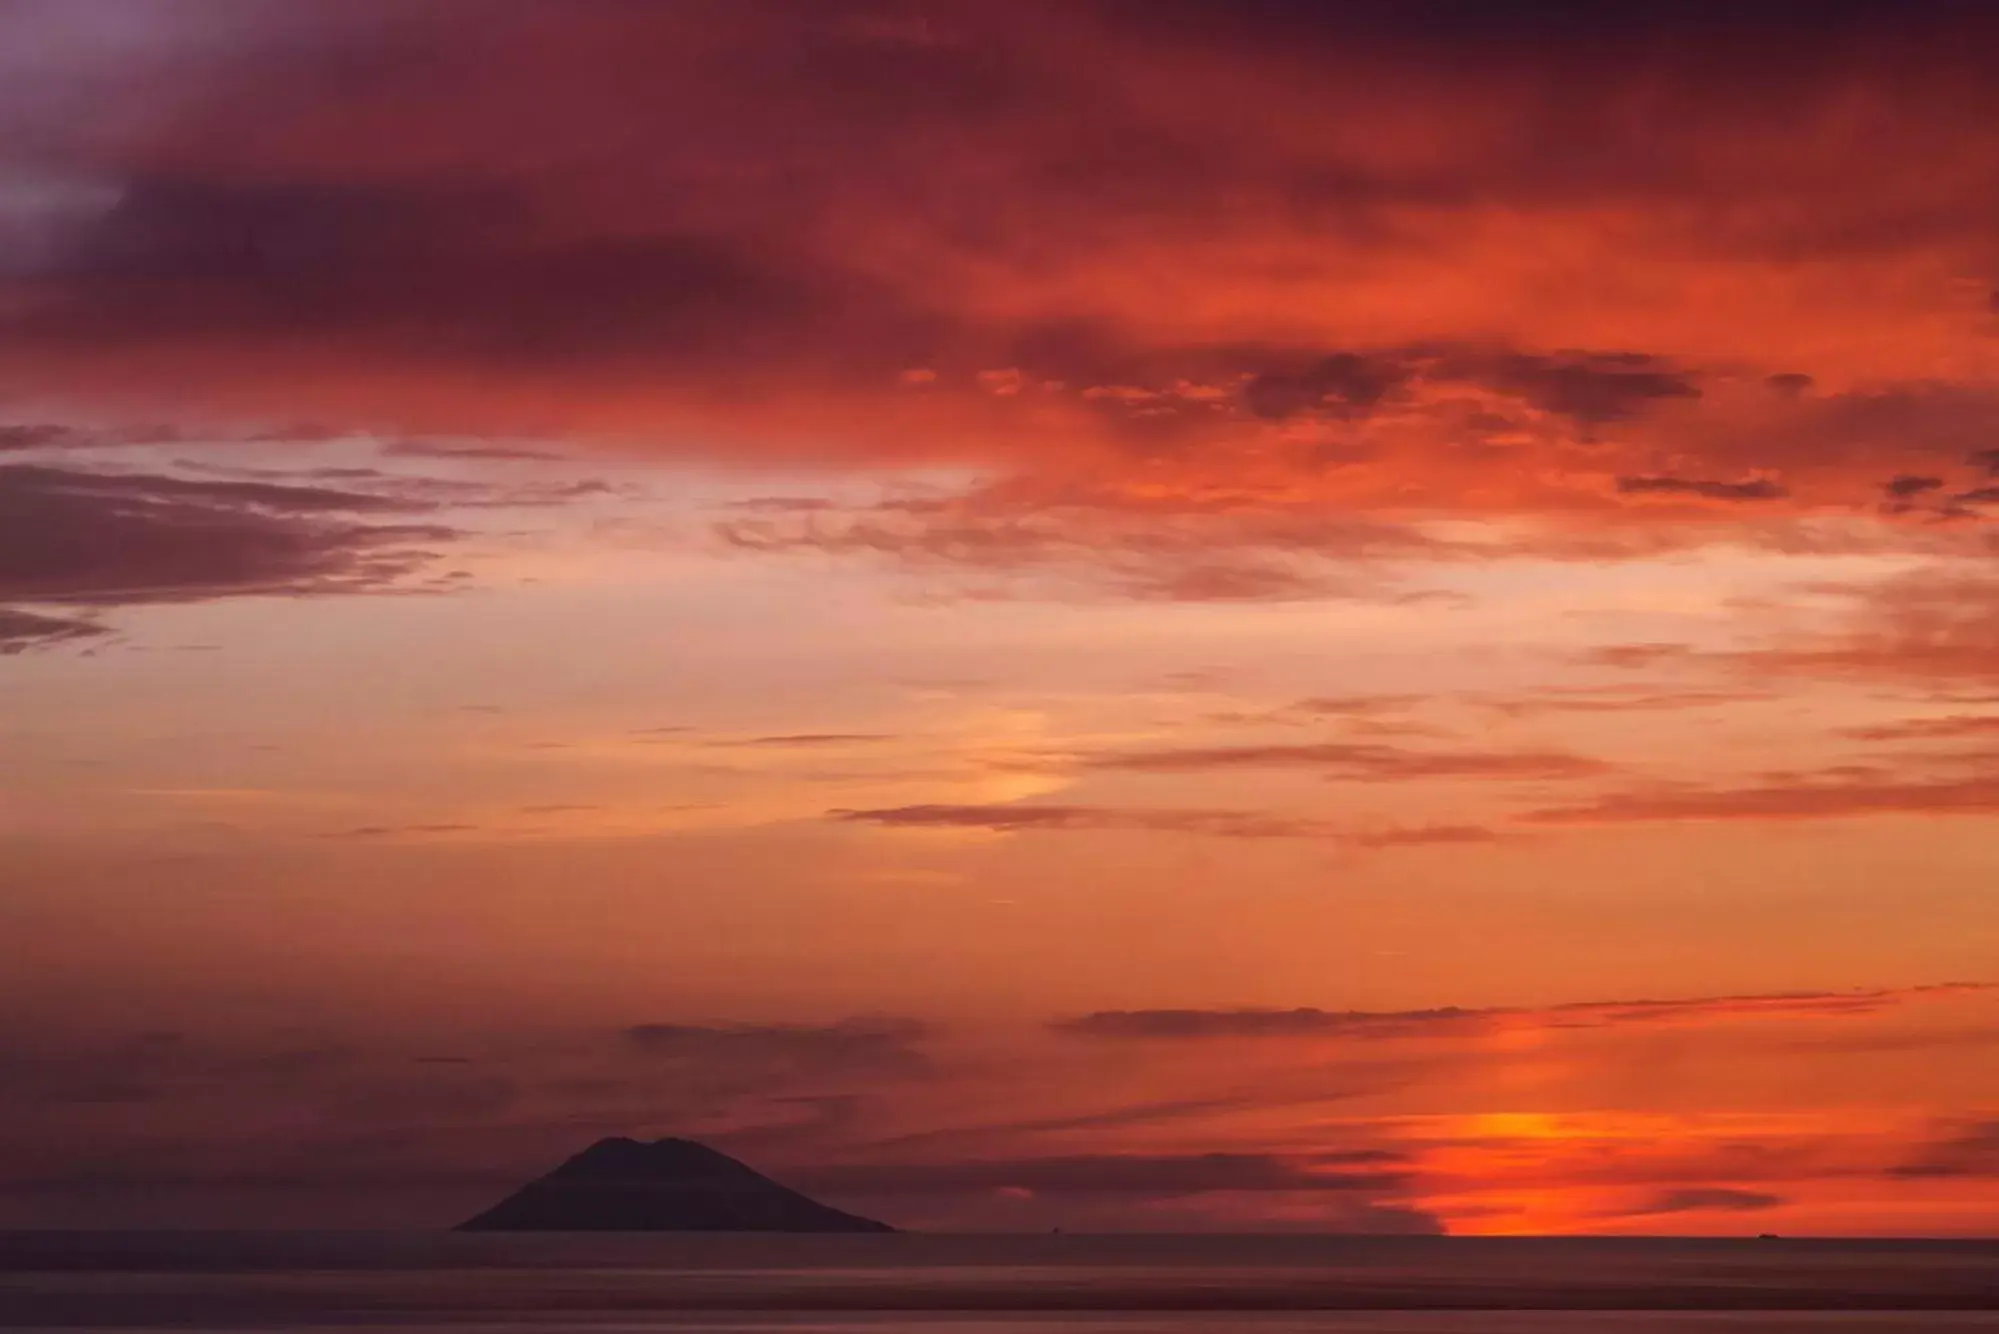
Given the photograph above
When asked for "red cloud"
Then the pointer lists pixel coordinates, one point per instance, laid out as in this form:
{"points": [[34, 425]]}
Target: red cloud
{"points": [[1309, 267]]}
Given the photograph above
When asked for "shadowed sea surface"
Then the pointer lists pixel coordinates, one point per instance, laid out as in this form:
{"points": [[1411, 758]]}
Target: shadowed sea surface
{"points": [[988, 1284]]}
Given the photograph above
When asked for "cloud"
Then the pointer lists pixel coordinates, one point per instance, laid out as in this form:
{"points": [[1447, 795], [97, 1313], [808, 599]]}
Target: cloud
{"points": [[1708, 1199], [455, 272], [1257, 1023], [1434, 314], [1364, 706], [21, 631], [1428, 835], [1130, 1114], [392, 831], [1757, 489], [87, 538], [1346, 382], [1938, 623], [459, 450], [1028, 538], [1828, 799], [1617, 699], [1239, 582], [1153, 1176], [1926, 729], [37, 435], [1592, 387], [1358, 762], [1588, 387], [1970, 1151], [1934, 627], [1013, 819], [1158, 820], [1906, 485], [1633, 656], [1452, 1020], [799, 740]]}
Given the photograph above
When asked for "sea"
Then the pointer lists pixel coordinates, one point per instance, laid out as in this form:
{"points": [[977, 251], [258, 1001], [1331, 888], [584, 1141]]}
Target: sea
{"points": [[915, 1284]]}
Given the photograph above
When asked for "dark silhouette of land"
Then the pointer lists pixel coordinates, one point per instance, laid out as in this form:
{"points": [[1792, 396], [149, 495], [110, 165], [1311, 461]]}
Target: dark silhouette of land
{"points": [[669, 1185]]}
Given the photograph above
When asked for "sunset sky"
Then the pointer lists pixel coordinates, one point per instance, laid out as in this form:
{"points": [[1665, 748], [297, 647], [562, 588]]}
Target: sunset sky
{"points": [[1115, 614]]}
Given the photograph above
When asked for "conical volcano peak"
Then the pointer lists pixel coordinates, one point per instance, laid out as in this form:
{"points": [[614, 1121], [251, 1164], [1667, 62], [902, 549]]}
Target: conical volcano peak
{"points": [[668, 1185], [660, 1159]]}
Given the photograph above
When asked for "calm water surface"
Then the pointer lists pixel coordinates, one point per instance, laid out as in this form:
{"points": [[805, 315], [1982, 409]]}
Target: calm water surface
{"points": [[985, 1285]]}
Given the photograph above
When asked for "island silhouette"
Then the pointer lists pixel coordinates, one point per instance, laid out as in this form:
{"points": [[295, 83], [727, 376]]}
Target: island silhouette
{"points": [[668, 1185]]}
